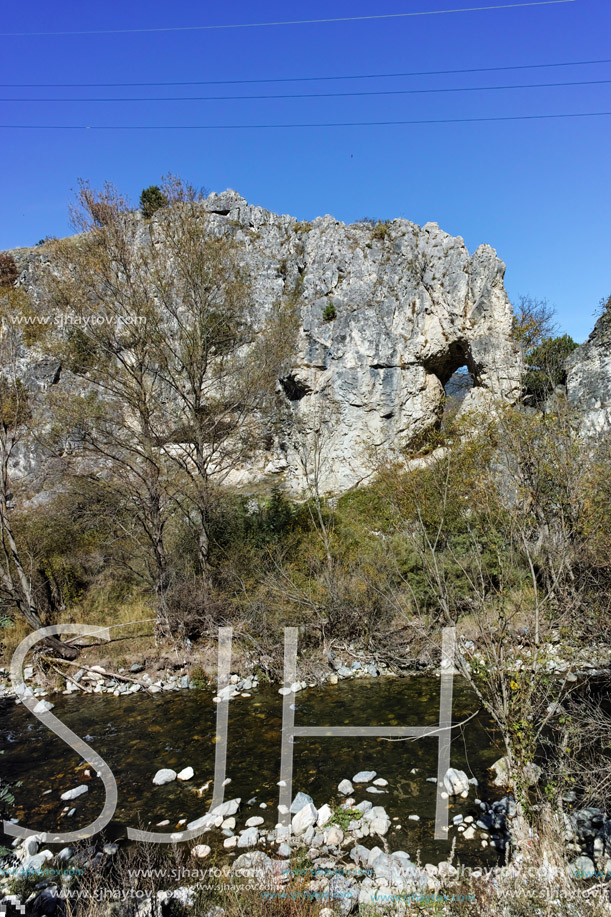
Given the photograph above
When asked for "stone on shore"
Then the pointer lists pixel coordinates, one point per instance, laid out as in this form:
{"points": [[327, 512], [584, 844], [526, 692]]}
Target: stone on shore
{"points": [[163, 776], [456, 783], [364, 777], [304, 819], [75, 793], [300, 801]]}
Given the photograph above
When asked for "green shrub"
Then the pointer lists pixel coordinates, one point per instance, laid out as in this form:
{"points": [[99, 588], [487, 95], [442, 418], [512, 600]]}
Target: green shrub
{"points": [[342, 817], [545, 367], [199, 677], [151, 200], [329, 313]]}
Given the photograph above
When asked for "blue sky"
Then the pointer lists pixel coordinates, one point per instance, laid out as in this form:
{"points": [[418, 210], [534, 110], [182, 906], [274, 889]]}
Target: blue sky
{"points": [[538, 191]]}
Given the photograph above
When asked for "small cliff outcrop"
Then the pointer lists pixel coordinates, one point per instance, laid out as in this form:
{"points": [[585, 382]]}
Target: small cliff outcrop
{"points": [[387, 313]]}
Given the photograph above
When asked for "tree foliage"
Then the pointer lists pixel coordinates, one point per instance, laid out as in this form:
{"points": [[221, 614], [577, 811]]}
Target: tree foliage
{"points": [[152, 199], [546, 367]]}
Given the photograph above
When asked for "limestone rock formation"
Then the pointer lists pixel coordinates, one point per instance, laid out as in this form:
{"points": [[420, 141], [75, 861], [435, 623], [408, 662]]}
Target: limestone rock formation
{"points": [[589, 378], [387, 313]]}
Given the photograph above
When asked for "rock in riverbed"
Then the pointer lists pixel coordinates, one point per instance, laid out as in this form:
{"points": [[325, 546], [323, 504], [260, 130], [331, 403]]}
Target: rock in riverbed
{"points": [[163, 776]]}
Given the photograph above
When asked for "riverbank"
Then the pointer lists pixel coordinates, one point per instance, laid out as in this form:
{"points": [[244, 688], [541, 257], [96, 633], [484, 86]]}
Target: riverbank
{"points": [[335, 862], [164, 669]]}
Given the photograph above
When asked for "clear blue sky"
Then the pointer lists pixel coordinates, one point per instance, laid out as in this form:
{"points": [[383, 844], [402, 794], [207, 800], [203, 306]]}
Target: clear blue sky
{"points": [[538, 191]]}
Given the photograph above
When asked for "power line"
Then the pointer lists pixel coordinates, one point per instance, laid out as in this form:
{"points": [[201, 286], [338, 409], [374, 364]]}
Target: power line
{"points": [[258, 25], [302, 79], [222, 127], [318, 95]]}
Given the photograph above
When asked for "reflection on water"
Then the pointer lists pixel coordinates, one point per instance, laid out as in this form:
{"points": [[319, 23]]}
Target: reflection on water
{"points": [[137, 735]]}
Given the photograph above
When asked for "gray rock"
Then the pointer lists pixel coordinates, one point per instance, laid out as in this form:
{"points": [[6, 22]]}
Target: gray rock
{"points": [[334, 836], [65, 854], [248, 838], [364, 777], [43, 706], [324, 815], [345, 788], [412, 306], [75, 793], [364, 806], [588, 381], [360, 855], [343, 893], [305, 818], [455, 782], [37, 861], [163, 776], [583, 867], [225, 809], [31, 845], [300, 801]]}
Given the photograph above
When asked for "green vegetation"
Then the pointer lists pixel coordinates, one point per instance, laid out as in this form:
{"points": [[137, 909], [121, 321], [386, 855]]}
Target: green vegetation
{"points": [[342, 817], [152, 199], [329, 312], [546, 367], [544, 352], [504, 533]]}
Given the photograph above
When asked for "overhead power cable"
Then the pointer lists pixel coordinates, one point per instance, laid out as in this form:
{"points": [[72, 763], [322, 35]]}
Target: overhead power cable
{"points": [[314, 95], [224, 127], [303, 79], [259, 25]]}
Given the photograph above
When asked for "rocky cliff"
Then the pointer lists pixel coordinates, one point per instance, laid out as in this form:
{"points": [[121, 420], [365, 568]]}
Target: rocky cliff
{"points": [[387, 313], [589, 378]]}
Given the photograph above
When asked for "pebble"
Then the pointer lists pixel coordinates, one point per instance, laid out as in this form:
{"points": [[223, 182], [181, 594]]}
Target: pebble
{"points": [[364, 777], [75, 793], [163, 776], [200, 851]]}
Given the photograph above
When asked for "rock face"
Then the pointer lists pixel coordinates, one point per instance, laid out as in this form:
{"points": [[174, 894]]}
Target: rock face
{"points": [[386, 314], [589, 378]]}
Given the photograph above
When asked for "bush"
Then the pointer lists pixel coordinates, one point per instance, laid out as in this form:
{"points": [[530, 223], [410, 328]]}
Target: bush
{"points": [[329, 313], [151, 200], [192, 610], [8, 270], [380, 230], [545, 367]]}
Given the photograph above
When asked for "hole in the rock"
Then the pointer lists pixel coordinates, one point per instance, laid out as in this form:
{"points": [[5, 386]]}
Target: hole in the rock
{"points": [[460, 382], [294, 389]]}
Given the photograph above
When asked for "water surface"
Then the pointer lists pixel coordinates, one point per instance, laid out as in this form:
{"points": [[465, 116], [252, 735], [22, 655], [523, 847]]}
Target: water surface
{"points": [[136, 735]]}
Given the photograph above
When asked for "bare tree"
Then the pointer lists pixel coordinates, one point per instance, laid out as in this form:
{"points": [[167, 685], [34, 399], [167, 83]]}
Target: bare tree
{"points": [[100, 286], [17, 423], [177, 366], [216, 357]]}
